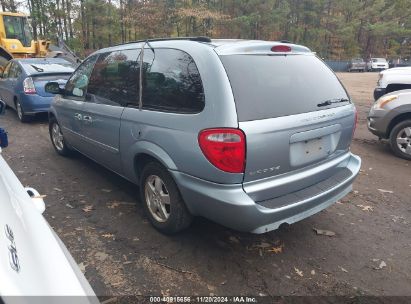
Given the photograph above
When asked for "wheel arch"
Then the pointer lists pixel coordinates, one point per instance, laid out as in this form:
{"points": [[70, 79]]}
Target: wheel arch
{"points": [[396, 120], [147, 152]]}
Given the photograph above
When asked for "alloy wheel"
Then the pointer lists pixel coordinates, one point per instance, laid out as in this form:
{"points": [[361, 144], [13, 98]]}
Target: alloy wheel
{"points": [[57, 137], [157, 198], [404, 140]]}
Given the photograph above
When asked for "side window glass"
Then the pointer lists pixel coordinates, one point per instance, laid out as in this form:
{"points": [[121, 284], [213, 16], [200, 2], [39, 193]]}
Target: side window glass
{"points": [[7, 70], [12, 72], [115, 79], [18, 70], [77, 84], [171, 82]]}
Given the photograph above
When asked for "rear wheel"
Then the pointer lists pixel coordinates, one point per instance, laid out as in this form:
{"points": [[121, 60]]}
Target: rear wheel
{"points": [[162, 201], [20, 113], [57, 138], [400, 139]]}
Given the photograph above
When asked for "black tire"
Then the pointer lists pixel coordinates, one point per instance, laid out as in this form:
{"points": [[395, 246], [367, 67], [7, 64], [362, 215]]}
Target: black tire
{"points": [[179, 218], [399, 132], [20, 113], [62, 149]]}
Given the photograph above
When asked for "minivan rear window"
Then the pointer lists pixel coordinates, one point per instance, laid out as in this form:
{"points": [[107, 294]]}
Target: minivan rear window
{"points": [[269, 86]]}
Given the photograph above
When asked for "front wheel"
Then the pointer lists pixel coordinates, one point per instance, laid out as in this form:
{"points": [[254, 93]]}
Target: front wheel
{"points": [[57, 138], [400, 139], [162, 201]]}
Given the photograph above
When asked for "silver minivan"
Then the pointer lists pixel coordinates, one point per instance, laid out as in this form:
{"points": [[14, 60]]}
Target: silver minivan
{"points": [[249, 134]]}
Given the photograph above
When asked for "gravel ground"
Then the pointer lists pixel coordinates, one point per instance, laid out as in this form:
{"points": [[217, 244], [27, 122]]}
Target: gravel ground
{"points": [[98, 216]]}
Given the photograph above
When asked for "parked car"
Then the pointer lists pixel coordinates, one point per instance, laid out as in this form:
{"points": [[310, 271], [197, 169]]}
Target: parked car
{"points": [[357, 64], [377, 64], [391, 80], [390, 118], [33, 260], [396, 63], [22, 84], [233, 131]]}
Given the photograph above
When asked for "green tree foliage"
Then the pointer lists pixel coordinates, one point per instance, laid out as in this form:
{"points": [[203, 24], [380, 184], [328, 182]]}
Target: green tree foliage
{"points": [[335, 29]]}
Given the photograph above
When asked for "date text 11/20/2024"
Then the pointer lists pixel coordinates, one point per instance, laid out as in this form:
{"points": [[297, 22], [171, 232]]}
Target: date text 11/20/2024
{"points": [[205, 299]]}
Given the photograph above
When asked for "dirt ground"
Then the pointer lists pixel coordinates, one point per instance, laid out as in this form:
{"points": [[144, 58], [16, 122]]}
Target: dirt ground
{"points": [[98, 216]]}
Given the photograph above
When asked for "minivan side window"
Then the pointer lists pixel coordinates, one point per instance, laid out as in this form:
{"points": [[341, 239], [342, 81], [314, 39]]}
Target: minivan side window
{"points": [[115, 79], [77, 84], [171, 82]]}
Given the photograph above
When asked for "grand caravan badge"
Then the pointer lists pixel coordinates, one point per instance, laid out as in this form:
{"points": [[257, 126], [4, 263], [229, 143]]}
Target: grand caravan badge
{"points": [[13, 257]]}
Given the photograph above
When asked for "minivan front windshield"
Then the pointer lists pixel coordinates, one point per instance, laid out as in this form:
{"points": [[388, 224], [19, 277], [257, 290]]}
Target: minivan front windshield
{"points": [[269, 86]]}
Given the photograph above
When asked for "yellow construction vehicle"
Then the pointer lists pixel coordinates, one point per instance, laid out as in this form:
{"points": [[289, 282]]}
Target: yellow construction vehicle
{"points": [[16, 39]]}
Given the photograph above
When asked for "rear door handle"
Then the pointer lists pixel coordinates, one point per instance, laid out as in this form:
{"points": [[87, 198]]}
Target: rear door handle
{"points": [[78, 116]]}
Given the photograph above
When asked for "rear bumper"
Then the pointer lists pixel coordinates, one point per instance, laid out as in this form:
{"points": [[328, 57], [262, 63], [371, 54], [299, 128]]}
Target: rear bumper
{"points": [[33, 104], [231, 206]]}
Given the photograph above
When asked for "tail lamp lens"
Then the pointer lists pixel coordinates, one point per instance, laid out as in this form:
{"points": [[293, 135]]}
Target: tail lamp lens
{"points": [[28, 86], [224, 148]]}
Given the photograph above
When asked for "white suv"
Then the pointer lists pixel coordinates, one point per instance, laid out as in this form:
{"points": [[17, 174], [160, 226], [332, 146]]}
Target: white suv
{"points": [[393, 80], [377, 64]]}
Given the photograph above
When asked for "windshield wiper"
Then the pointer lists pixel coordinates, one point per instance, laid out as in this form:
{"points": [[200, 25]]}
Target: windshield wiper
{"points": [[40, 70], [331, 101]]}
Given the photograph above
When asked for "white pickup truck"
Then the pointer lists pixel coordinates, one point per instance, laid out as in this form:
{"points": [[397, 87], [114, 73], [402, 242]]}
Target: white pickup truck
{"points": [[33, 260], [391, 80]]}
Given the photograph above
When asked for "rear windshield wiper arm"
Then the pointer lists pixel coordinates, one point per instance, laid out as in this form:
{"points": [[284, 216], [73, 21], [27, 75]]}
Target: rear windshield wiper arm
{"points": [[40, 70], [331, 101]]}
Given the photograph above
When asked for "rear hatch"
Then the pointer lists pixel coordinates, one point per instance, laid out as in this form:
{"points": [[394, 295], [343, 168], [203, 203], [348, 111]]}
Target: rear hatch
{"points": [[296, 116], [41, 80]]}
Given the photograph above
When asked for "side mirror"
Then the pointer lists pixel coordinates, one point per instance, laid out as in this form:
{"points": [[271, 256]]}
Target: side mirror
{"points": [[2, 107], [53, 88]]}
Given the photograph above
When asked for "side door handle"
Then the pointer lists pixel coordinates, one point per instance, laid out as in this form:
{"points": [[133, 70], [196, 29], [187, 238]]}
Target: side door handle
{"points": [[78, 116], [87, 119]]}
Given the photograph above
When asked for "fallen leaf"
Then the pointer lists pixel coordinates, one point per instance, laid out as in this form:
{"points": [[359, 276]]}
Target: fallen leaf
{"points": [[113, 205], [324, 232], [313, 272], [223, 283], [299, 272], [343, 269], [40, 196], [101, 256], [82, 267], [58, 189], [276, 250], [381, 266], [69, 206], [88, 208], [385, 191], [108, 235], [366, 208]]}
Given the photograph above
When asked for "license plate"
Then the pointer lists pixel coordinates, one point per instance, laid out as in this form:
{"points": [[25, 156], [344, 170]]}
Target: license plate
{"points": [[308, 151]]}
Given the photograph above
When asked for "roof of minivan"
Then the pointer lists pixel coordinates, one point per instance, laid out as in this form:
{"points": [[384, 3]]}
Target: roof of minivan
{"points": [[221, 46]]}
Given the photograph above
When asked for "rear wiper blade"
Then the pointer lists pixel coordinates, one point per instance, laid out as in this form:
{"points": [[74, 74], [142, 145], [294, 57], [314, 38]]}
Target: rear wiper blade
{"points": [[331, 101], [40, 70]]}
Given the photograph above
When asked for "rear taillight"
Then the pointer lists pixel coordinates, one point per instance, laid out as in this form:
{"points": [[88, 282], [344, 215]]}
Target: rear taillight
{"points": [[355, 122], [28, 86], [224, 148]]}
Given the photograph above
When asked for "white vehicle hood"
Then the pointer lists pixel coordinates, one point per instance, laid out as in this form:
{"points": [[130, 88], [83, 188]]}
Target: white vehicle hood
{"points": [[400, 75], [45, 266]]}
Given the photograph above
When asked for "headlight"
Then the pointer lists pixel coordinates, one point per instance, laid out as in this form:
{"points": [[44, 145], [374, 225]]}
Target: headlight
{"points": [[380, 103]]}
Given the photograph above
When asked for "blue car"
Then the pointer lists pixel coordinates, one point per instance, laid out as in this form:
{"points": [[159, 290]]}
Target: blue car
{"points": [[22, 84]]}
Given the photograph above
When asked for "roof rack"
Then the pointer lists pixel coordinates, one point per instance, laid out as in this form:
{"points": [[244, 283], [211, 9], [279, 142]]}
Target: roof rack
{"points": [[198, 39]]}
